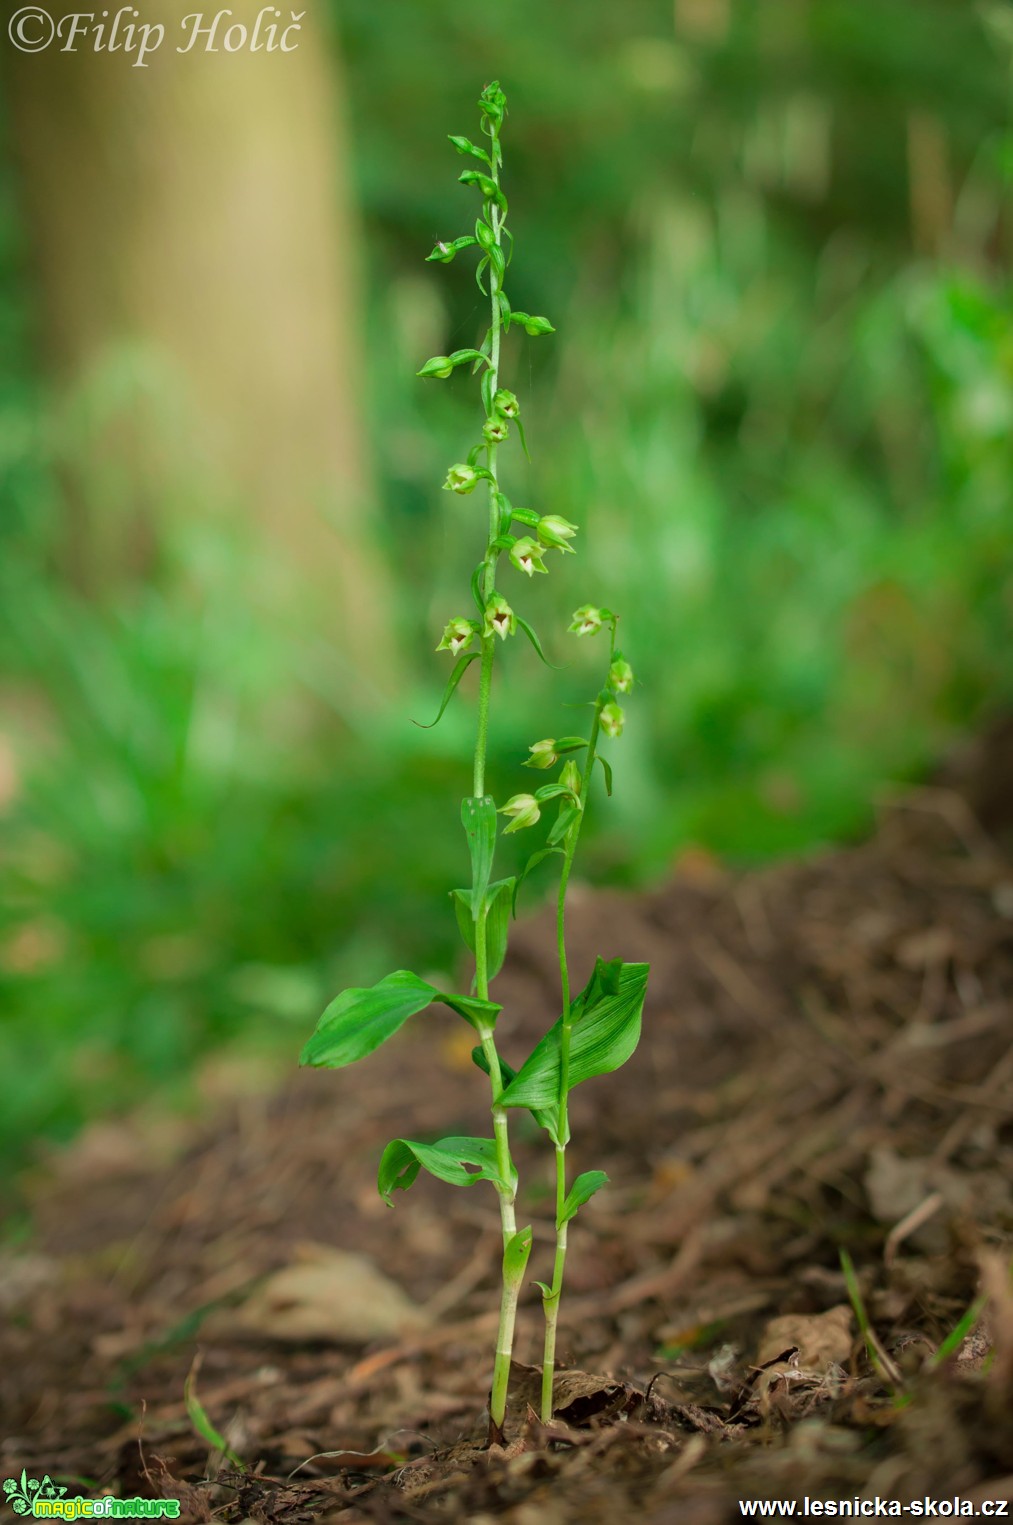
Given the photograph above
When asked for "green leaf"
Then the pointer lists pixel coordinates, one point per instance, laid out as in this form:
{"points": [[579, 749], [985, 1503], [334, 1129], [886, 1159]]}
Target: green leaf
{"points": [[507, 1073], [460, 668], [606, 1019], [523, 438], [466, 146], [564, 820], [582, 1190], [448, 1160], [360, 1019], [553, 792], [516, 1253], [445, 250], [608, 774], [483, 262], [486, 386], [478, 817], [498, 901], [198, 1416], [533, 862], [536, 643], [476, 588]]}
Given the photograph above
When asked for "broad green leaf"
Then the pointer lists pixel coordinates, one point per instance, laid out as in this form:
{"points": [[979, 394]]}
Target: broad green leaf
{"points": [[606, 1020], [478, 817], [536, 643], [499, 902], [449, 1160], [460, 668], [359, 1020], [582, 1190], [507, 1074]]}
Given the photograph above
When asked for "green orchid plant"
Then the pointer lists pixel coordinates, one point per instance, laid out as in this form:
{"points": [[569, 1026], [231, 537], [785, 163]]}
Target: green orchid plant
{"points": [[599, 1027]]}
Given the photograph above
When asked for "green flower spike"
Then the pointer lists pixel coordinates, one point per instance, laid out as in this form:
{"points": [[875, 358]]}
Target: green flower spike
{"points": [[586, 620], [523, 808], [543, 754], [458, 636], [500, 619], [526, 555], [612, 719], [555, 531]]}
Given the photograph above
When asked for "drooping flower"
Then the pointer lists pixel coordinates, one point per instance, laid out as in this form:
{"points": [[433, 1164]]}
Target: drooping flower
{"points": [[523, 810], [458, 635], [586, 620], [500, 619], [506, 404], [461, 478], [620, 676], [526, 555], [612, 720], [543, 754], [555, 531]]}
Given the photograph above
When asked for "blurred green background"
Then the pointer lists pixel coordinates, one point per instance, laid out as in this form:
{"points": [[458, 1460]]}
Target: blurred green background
{"points": [[774, 239]]}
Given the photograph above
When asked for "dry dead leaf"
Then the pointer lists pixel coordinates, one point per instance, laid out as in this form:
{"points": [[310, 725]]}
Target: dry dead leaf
{"points": [[328, 1294], [822, 1339]]}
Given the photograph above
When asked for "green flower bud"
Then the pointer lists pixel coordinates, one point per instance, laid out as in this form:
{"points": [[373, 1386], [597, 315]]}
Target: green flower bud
{"points": [[506, 403], [495, 430], [492, 102], [555, 531], [526, 555], [500, 619], [586, 620], [439, 365], [461, 478], [612, 719], [543, 754], [532, 325], [523, 810], [458, 636], [444, 252], [570, 777], [620, 676]]}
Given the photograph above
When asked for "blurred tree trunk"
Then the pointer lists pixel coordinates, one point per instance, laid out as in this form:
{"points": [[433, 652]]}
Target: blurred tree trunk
{"points": [[200, 299]]}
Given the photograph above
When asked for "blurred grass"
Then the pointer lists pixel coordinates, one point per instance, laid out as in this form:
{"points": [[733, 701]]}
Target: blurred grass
{"points": [[779, 406]]}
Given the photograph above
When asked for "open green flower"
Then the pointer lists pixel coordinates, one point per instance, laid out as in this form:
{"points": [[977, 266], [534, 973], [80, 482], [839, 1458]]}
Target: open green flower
{"points": [[586, 620], [461, 478], [500, 619], [495, 430], [526, 555], [620, 676], [458, 636], [612, 720], [506, 404], [555, 531], [523, 810]]}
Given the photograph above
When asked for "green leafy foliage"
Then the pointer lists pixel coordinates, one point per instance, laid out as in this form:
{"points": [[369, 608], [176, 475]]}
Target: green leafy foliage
{"points": [[478, 817], [582, 1190], [606, 1029], [499, 900], [358, 1021], [458, 1161]]}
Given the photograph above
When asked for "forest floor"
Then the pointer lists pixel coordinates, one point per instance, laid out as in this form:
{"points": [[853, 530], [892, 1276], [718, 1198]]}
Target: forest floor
{"points": [[827, 1065]]}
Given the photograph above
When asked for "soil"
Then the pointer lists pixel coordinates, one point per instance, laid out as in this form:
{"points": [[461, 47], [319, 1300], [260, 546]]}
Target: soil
{"points": [[826, 1066]]}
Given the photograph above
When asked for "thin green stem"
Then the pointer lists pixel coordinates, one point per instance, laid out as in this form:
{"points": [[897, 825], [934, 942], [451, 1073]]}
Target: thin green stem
{"points": [[551, 1299]]}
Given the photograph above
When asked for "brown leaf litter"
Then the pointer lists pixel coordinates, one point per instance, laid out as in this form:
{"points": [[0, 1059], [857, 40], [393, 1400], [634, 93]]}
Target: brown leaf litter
{"points": [[827, 1064]]}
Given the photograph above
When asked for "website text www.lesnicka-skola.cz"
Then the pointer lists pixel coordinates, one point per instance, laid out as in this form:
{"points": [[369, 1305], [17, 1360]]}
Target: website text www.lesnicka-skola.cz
{"points": [[872, 1508]]}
